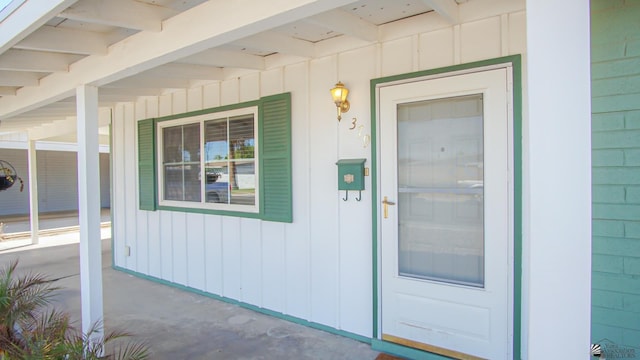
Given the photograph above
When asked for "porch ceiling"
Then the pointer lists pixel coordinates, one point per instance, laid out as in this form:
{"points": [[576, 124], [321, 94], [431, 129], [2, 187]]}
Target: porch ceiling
{"points": [[133, 48]]}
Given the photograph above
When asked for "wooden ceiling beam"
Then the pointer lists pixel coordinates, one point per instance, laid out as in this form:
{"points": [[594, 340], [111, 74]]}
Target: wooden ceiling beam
{"points": [[18, 79], [54, 39], [120, 13], [139, 81], [8, 90], [29, 17], [275, 42], [37, 61], [345, 23], [185, 71], [448, 9], [225, 58], [205, 26]]}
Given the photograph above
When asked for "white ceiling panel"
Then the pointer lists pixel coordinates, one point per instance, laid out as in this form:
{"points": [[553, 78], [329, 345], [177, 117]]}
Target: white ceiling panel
{"points": [[74, 32]]}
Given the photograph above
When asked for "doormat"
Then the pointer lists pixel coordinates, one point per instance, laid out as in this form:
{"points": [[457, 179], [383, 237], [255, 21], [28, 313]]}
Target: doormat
{"points": [[388, 357]]}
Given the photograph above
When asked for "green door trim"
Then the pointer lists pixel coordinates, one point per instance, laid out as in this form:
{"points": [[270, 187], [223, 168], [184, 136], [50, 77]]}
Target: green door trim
{"points": [[515, 61]]}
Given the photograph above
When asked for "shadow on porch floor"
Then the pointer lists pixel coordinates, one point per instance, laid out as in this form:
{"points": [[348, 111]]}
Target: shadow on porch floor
{"points": [[183, 325]]}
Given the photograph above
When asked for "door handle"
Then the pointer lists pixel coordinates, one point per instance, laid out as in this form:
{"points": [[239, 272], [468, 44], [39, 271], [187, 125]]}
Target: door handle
{"points": [[385, 208]]}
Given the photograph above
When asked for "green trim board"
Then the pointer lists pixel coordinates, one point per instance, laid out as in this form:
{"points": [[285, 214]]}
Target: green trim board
{"points": [[517, 205], [147, 181], [258, 309], [211, 212], [516, 62], [274, 162], [210, 110]]}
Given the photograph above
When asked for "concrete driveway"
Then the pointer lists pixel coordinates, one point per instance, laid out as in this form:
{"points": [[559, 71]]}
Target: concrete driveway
{"points": [[183, 325]]}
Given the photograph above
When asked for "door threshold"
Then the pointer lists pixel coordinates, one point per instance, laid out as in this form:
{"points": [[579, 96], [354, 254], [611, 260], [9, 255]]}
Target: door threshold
{"points": [[429, 348]]}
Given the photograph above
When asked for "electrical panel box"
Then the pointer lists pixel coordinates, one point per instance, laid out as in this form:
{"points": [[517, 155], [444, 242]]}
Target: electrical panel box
{"points": [[351, 174]]}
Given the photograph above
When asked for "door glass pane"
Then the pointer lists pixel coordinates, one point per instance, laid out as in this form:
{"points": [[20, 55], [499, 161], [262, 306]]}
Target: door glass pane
{"points": [[440, 190]]}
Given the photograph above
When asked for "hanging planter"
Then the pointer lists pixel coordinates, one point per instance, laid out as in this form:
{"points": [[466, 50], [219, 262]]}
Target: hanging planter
{"points": [[9, 176]]}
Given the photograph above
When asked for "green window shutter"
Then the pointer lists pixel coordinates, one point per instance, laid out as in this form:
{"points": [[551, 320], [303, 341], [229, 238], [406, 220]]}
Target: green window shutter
{"points": [[147, 164], [275, 158]]}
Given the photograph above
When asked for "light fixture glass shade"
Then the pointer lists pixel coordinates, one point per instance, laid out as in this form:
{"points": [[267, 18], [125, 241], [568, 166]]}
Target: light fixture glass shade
{"points": [[339, 94]]}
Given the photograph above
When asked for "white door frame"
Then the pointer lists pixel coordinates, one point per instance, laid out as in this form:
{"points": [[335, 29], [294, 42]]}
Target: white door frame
{"points": [[515, 130]]}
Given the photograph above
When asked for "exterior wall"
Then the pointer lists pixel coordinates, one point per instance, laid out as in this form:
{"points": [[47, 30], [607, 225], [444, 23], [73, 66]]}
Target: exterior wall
{"points": [[319, 268], [616, 181], [14, 201], [57, 182]]}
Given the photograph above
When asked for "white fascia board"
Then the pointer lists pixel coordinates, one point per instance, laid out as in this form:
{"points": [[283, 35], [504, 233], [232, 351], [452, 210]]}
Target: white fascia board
{"points": [[28, 18], [10, 8], [46, 145], [13, 144], [205, 26], [13, 140]]}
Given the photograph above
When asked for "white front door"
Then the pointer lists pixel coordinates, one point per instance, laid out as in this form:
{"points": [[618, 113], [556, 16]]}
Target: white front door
{"points": [[446, 225]]}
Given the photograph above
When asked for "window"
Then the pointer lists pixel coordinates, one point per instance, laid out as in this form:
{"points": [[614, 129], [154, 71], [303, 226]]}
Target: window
{"points": [[233, 160], [180, 169], [209, 161]]}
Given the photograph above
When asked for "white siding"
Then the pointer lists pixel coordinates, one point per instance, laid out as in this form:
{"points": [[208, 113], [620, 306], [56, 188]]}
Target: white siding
{"points": [[297, 242], [119, 208], [324, 199], [14, 201], [212, 253], [195, 251], [105, 181], [319, 268], [354, 264], [57, 182], [480, 40]]}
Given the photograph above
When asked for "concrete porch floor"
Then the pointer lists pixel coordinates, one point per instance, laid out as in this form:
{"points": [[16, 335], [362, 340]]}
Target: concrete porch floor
{"points": [[182, 325], [54, 220]]}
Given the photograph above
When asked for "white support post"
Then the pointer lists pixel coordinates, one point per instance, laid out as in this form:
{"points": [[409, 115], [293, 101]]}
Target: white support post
{"points": [[557, 177], [89, 206], [33, 191]]}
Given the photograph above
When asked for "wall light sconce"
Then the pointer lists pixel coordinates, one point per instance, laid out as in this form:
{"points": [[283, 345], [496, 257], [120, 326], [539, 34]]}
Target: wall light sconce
{"points": [[339, 94]]}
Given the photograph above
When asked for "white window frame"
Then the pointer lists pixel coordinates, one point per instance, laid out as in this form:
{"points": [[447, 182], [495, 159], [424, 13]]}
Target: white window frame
{"points": [[255, 208]]}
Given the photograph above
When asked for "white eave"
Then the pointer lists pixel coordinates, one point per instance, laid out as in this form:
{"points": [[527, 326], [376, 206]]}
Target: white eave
{"points": [[132, 48]]}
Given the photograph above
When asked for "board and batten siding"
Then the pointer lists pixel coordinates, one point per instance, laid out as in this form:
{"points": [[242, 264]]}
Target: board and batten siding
{"points": [[615, 72], [57, 182], [319, 267]]}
